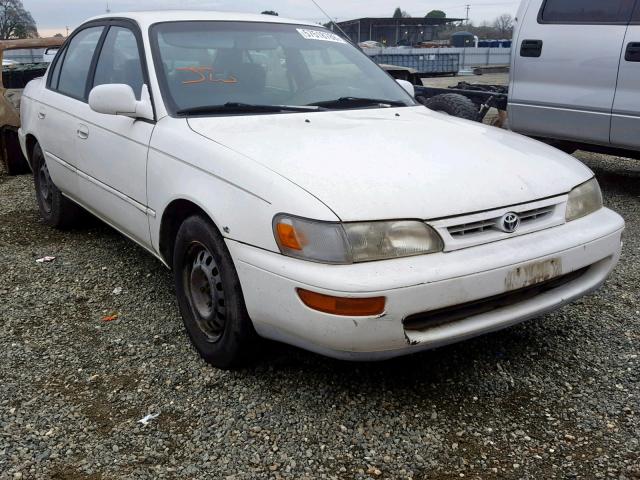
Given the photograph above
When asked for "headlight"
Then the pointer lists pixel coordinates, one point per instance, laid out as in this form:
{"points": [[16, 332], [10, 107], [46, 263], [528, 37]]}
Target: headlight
{"points": [[344, 243], [583, 200]]}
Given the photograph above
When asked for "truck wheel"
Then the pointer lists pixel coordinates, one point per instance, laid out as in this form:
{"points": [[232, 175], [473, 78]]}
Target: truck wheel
{"points": [[56, 209], [455, 105], [210, 297]]}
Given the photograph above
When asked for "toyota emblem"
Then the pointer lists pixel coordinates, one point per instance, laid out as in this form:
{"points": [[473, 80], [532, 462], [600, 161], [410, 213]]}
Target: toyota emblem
{"points": [[509, 222]]}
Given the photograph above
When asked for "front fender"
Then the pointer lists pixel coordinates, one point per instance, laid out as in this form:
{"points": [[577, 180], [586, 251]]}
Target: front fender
{"points": [[239, 195]]}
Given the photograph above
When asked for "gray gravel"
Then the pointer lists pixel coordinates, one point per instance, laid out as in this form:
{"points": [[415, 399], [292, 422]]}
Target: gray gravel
{"points": [[553, 398]]}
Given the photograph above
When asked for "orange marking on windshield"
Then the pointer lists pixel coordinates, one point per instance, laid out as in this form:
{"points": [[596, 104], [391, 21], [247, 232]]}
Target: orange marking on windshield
{"points": [[205, 74]]}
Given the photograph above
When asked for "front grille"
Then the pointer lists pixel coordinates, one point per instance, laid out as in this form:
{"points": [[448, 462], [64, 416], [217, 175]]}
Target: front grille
{"points": [[442, 316], [526, 218]]}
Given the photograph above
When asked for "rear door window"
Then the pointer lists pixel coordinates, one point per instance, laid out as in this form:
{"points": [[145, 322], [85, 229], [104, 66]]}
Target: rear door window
{"points": [[586, 11], [77, 62], [636, 14]]}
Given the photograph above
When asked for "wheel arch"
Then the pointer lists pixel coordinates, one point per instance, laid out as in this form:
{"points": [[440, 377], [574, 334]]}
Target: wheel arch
{"points": [[176, 212]]}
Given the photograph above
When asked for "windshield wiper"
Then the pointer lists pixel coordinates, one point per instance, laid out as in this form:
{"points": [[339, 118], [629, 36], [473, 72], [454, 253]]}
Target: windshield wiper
{"points": [[235, 107], [355, 102]]}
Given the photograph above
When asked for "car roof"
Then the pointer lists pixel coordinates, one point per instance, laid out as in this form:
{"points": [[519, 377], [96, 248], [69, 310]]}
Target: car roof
{"points": [[147, 18]]}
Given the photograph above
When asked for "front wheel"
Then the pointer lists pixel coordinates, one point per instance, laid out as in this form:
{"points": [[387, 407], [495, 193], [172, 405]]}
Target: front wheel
{"points": [[210, 297], [56, 209]]}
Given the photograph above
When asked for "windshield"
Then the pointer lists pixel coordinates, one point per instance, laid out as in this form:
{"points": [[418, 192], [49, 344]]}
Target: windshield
{"points": [[210, 63]]}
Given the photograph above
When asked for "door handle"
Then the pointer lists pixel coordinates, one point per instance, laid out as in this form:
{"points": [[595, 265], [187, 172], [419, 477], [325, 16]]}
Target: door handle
{"points": [[632, 54], [531, 48], [83, 132], [42, 115]]}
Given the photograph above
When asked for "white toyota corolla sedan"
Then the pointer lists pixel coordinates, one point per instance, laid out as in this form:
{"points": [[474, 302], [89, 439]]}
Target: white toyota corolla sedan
{"points": [[300, 194]]}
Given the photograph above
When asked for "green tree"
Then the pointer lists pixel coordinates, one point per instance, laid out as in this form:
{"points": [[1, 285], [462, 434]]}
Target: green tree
{"points": [[15, 21], [270, 12], [504, 25], [436, 14], [399, 13]]}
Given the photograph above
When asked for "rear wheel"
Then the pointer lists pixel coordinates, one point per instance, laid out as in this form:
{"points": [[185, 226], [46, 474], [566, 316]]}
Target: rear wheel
{"points": [[455, 105], [210, 297], [56, 210]]}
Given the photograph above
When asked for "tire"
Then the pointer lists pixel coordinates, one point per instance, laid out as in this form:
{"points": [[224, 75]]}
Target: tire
{"points": [[455, 105], [210, 297], [56, 210]]}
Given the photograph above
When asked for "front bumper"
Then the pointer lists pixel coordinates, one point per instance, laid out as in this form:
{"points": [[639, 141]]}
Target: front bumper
{"points": [[420, 284]]}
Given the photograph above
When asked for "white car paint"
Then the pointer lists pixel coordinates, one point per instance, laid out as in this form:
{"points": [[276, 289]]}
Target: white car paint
{"points": [[365, 165]]}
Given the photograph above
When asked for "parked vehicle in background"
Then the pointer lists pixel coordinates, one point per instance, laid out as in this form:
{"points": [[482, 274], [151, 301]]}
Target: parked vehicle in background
{"points": [[49, 54], [301, 194], [14, 77], [575, 77]]}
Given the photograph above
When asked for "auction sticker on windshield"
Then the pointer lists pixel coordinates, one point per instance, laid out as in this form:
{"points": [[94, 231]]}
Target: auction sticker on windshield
{"points": [[320, 35]]}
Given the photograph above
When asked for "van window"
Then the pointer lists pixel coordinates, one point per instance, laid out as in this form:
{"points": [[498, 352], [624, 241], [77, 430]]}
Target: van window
{"points": [[586, 11], [77, 62]]}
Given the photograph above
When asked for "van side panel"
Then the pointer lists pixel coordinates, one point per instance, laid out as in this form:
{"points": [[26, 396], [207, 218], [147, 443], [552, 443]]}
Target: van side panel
{"points": [[625, 121], [568, 91]]}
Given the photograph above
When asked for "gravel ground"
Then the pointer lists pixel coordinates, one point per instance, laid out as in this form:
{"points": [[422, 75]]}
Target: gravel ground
{"points": [[554, 398]]}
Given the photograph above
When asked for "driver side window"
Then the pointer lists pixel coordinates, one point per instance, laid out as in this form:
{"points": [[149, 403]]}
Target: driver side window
{"points": [[119, 61]]}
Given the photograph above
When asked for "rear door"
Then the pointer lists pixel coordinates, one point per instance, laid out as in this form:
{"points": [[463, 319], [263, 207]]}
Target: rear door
{"points": [[566, 68], [625, 120], [61, 102]]}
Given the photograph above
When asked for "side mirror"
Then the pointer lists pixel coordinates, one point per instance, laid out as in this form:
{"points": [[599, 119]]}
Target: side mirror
{"points": [[408, 86], [119, 99]]}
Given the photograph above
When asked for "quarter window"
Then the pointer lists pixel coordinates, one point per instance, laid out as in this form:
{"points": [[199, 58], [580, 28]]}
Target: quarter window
{"points": [[77, 62], [586, 11], [119, 61], [55, 74]]}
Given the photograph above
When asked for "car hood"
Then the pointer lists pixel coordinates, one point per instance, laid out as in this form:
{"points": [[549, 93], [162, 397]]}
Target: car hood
{"points": [[398, 162]]}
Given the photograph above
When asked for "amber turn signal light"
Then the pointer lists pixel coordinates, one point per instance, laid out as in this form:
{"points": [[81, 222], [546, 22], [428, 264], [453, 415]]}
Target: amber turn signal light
{"points": [[346, 307], [288, 237]]}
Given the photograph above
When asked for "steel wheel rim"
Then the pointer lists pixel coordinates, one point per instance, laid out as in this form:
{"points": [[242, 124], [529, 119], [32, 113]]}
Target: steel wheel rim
{"points": [[205, 292], [45, 187]]}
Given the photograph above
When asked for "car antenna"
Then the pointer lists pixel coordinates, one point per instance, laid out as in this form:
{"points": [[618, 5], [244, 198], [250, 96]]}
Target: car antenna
{"points": [[331, 21]]}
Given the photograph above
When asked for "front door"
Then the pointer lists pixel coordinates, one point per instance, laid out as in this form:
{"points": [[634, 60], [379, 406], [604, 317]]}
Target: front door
{"points": [[625, 120], [113, 148], [566, 68]]}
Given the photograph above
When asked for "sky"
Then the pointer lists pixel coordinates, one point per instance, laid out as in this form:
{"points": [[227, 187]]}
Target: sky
{"points": [[53, 16]]}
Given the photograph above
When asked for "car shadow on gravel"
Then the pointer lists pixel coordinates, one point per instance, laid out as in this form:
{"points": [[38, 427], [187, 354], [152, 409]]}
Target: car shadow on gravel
{"points": [[439, 366]]}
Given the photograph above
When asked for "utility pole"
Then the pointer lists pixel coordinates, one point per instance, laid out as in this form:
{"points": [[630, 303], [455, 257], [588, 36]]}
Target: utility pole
{"points": [[468, 7], [67, 30], [108, 9]]}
